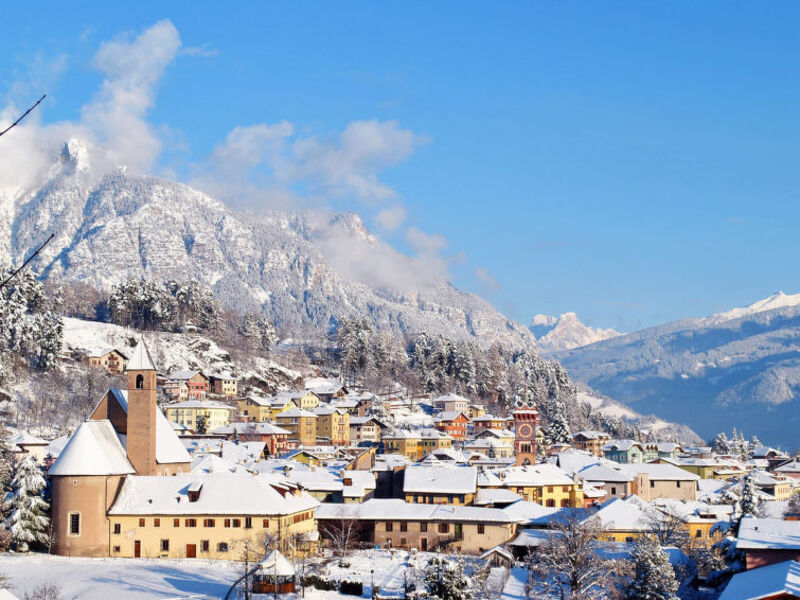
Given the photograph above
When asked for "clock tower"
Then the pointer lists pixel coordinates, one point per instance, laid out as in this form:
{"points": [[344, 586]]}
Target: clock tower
{"points": [[526, 422]]}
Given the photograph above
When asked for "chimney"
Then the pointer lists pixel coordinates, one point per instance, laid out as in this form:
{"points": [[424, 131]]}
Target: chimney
{"points": [[141, 428]]}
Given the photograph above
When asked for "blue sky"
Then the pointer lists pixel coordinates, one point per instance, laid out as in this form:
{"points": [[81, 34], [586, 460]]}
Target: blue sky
{"points": [[632, 163]]}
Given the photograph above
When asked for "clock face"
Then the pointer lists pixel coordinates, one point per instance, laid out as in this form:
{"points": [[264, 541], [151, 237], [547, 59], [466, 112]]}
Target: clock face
{"points": [[525, 430]]}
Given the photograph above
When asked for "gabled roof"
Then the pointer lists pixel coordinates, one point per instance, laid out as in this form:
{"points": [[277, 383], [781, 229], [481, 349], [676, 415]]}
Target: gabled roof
{"points": [[94, 449], [440, 480], [622, 445], [183, 375], [294, 413], [449, 415], [765, 582], [140, 359], [768, 534], [276, 565], [657, 471]]}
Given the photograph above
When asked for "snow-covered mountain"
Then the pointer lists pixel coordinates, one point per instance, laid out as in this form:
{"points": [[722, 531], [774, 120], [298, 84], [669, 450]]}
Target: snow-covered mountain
{"points": [[739, 368], [299, 268], [566, 332]]}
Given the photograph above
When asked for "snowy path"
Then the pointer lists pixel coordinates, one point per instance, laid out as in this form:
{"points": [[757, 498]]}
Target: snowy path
{"points": [[514, 588], [124, 579]]}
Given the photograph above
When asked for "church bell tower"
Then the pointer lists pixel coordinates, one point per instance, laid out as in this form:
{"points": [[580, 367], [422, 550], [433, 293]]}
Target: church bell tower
{"points": [[142, 407], [526, 422]]}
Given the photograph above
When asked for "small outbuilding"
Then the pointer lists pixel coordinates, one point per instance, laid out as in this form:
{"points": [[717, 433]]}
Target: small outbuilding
{"points": [[275, 575]]}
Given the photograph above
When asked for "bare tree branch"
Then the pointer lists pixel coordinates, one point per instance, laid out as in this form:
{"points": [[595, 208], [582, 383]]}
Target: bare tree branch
{"points": [[30, 258], [25, 114]]}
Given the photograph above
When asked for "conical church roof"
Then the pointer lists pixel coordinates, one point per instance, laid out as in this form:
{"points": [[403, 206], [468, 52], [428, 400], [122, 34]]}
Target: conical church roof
{"points": [[141, 361]]}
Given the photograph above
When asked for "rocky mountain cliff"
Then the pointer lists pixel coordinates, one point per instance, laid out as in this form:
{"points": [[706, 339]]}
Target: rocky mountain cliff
{"points": [[740, 368], [110, 227], [566, 332]]}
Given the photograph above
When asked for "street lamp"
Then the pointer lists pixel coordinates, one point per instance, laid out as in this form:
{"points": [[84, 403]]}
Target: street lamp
{"points": [[372, 582]]}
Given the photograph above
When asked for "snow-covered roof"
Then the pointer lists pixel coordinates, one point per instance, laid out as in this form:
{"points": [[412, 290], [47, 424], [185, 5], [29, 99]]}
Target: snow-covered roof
{"points": [[140, 359], [530, 475], [382, 509], [295, 413], [591, 435], [621, 445], [791, 467], [250, 429], [449, 415], [449, 398], [603, 473], [94, 449], [765, 582], [658, 471], [496, 496], [200, 404], [623, 515], [183, 375], [440, 480], [497, 550], [23, 438], [221, 494], [768, 534], [276, 565]]}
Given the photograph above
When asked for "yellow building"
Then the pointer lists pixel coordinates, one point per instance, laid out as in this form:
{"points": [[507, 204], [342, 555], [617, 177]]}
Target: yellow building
{"points": [[708, 468], [543, 483], [279, 405], [306, 400], [187, 413], [254, 409], [210, 516], [440, 485], [415, 445], [301, 425], [333, 424]]}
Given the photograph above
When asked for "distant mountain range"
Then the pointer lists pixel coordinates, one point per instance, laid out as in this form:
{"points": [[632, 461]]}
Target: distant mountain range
{"points": [[110, 227], [566, 332], [739, 368]]}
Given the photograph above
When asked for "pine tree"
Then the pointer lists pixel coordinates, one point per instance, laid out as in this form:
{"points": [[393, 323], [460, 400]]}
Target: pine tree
{"points": [[7, 460], [654, 577], [445, 580], [721, 443], [28, 521], [749, 500], [558, 431], [202, 425]]}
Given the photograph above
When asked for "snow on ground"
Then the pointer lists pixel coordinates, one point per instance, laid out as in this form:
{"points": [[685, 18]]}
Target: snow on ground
{"points": [[514, 589], [121, 579], [139, 579], [607, 407]]}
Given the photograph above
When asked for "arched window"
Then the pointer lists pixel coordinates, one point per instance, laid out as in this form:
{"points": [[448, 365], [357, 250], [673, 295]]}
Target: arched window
{"points": [[140, 382]]}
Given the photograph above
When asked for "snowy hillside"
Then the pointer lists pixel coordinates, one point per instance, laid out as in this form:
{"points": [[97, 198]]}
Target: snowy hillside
{"points": [[566, 332], [739, 368], [299, 268], [777, 300], [172, 351]]}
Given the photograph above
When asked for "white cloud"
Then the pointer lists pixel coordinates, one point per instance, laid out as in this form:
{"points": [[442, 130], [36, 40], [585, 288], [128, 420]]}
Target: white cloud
{"points": [[425, 244], [116, 113], [487, 280], [391, 218]]}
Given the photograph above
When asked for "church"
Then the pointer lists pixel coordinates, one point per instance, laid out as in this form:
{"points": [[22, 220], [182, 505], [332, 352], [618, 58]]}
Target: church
{"points": [[123, 487]]}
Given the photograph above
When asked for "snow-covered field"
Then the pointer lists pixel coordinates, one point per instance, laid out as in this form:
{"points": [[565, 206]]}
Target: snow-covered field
{"points": [[121, 579], [137, 579]]}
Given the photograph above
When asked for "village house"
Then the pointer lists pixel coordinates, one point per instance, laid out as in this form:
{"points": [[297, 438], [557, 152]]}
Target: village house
{"points": [[223, 385], [768, 541], [255, 409], [453, 423], [208, 516], [708, 468], [475, 411], [612, 481], [624, 520], [25, 444], [542, 483], [454, 485], [414, 445], [365, 429], [275, 438], [193, 385], [278, 404], [326, 390], [777, 486], [301, 425], [394, 523], [189, 412], [654, 480], [789, 469], [483, 422], [451, 403], [333, 424], [592, 442], [304, 400], [624, 451], [777, 581], [490, 447], [110, 359]]}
